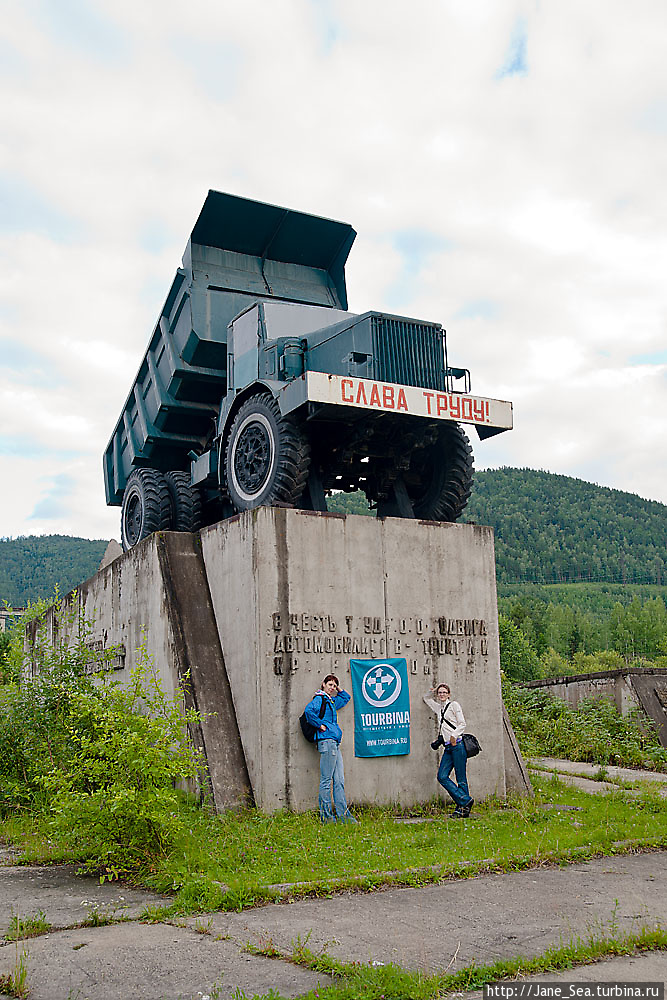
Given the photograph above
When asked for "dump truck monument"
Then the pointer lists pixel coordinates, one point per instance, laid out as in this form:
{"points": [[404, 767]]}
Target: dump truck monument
{"points": [[259, 387], [258, 395]]}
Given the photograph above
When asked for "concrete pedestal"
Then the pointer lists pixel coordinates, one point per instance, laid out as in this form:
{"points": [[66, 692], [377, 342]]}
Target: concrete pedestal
{"points": [[297, 594], [259, 608]]}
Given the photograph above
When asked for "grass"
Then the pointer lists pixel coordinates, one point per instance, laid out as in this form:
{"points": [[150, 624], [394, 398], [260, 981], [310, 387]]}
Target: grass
{"points": [[243, 859], [355, 981]]}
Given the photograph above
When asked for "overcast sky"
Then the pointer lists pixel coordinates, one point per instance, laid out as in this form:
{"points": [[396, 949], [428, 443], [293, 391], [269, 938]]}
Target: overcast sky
{"points": [[504, 164]]}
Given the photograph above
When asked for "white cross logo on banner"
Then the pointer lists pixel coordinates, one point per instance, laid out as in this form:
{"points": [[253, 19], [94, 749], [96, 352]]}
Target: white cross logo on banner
{"points": [[378, 682], [381, 685]]}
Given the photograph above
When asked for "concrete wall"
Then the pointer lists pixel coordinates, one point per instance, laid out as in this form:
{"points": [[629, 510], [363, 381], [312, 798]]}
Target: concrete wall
{"points": [[612, 684], [8, 617], [259, 608]]}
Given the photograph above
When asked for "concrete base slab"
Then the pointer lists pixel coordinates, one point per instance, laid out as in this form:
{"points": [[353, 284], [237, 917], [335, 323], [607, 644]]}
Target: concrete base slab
{"points": [[476, 920], [571, 773], [435, 928], [580, 767], [66, 898], [149, 962], [649, 967], [590, 786]]}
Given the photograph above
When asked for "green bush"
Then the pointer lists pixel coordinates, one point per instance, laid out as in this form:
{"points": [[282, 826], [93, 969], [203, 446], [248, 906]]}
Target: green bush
{"points": [[100, 760], [114, 793], [591, 663], [349, 503], [5, 646], [552, 664], [36, 701]]}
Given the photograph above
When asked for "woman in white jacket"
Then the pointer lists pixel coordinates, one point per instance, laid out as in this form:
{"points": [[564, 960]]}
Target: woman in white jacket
{"points": [[450, 735]]}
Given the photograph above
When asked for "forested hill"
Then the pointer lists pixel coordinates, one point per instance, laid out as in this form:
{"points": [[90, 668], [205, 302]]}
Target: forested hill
{"points": [[31, 567], [549, 529], [553, 528]]}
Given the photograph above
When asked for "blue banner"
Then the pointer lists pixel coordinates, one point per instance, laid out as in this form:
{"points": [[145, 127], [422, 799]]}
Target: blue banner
{"points": [[381, 707]]}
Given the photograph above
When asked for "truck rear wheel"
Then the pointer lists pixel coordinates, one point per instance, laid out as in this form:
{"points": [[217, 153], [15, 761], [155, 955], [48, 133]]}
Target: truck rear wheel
{"points": [[146, 507], [439, 477], [185, 502], [267, 456]]}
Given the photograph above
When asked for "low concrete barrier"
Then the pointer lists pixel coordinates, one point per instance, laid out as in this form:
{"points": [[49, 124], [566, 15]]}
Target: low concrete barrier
{"points": [[633, 687]]}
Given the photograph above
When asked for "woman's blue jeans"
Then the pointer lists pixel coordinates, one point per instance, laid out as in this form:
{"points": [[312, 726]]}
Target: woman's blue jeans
{"points": [[455, 757], [331, 770]]}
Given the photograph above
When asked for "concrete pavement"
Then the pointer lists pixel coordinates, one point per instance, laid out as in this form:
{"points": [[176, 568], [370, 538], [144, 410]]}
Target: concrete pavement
{"points": [[434, 928]]}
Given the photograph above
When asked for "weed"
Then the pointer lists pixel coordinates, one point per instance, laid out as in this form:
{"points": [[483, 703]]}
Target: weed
{"points": [[97, 918], [199, 895], [265, 947], [202, 928], [240, 898], [27, 927], [154, 914], [15, 984]]}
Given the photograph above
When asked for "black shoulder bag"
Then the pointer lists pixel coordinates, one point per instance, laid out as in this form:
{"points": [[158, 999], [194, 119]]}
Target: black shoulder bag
{"points": [[470, 742]]}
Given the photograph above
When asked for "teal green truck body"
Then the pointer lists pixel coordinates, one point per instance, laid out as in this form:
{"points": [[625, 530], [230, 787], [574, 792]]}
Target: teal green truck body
{"points": [[258, 312]]}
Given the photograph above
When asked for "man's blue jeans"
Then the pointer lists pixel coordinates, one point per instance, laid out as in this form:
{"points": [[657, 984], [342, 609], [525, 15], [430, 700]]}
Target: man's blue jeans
{"points": [[331, 770], [455, 757]]}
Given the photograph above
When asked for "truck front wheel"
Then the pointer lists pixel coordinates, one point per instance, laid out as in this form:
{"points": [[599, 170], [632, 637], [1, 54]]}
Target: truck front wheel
{"points": [[439, 477], [146, 506], [439, 481], [267, 456]]}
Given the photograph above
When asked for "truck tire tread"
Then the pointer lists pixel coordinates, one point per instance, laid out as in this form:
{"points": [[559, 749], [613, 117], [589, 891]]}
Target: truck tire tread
{"points": [[185, 501], [146, 507]]}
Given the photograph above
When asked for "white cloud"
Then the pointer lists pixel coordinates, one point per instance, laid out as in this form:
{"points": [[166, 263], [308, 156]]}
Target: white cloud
{"points": [[538, 196]]}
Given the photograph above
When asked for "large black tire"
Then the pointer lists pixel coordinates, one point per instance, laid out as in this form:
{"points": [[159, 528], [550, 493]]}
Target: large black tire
{"points": [[439, 478], [185, 502], [267, 456], [146, 507]]}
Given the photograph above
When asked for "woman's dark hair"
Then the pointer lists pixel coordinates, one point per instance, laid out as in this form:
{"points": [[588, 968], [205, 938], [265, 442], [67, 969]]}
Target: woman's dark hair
{"points": [[331, 677], [445, 686]]}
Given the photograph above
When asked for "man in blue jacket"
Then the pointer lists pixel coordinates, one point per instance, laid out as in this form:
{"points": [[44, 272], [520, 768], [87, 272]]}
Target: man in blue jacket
{"points": [[328, 737]]}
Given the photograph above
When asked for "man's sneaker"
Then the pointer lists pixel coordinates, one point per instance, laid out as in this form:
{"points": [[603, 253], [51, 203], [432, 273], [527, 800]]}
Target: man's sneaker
{"points": [[465, 812], [459, 813]]}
